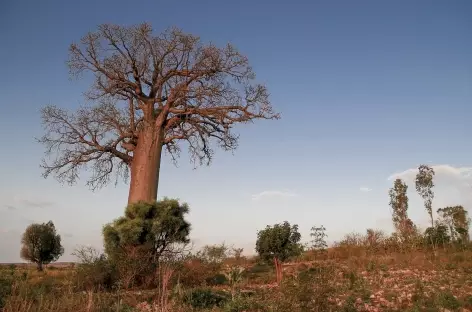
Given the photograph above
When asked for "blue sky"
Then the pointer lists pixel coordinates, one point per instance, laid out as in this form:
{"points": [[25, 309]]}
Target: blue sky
{"points": [[367, 90]]}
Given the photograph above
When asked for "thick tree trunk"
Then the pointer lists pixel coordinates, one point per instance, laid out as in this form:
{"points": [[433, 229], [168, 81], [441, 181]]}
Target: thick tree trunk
{"points": [[40, 266], [145, 166]]}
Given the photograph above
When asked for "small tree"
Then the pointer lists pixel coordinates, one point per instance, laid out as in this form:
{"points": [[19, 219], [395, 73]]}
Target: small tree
{"points": [[455, 218], [278, 243], [374, 239], [399, 203], [41, 244], [237, 253], [214, 253], [318, 235], [424, 186], [437, 235], [146, 234]]}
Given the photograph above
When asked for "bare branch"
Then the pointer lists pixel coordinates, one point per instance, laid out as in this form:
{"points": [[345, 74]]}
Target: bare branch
{"points": [[91, 135], [169, 82]]}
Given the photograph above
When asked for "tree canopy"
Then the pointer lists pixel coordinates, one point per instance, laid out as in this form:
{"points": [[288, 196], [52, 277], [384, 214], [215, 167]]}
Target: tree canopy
{"points": [[424, 187], [399, 204], [280, 241], [456, 220], [152, 228], [41, 244], [150, 91]]}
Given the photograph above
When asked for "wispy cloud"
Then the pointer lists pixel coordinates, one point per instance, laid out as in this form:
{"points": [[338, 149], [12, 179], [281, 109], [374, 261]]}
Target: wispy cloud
{"points": [[273, 194], [11, 208], [36, 203], [463, 173], [365, 189]]}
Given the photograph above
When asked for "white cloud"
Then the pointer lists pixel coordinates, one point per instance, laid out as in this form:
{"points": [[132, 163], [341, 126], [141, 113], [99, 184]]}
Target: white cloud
{"points": [[460, 173], [365, 189], [272, 194]]}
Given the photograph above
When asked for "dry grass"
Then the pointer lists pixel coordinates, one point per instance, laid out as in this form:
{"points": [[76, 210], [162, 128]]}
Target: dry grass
{"points": [[415, 281]]}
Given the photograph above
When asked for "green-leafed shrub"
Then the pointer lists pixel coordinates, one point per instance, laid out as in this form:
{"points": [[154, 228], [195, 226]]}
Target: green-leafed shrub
{"points": [[94, 271], [242, 304], [5, 289], [204, 298], [216, 280]]}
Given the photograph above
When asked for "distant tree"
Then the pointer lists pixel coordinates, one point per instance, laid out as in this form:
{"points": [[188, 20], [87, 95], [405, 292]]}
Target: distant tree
{"points": [[350, 240], [151, 91], [399, 204], [278, 243], [424, 187], [374, 239], [237, 253], [457, 221], [41, 244], [318, 235], [153, 229], [214, 253]]}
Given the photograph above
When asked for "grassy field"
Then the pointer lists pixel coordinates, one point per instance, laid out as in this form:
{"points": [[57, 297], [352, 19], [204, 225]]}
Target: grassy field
{"points": [[347, 279]]}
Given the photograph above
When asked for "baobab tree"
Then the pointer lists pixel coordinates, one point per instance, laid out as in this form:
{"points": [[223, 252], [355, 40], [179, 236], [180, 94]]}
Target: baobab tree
{"points": [[150, 92]]}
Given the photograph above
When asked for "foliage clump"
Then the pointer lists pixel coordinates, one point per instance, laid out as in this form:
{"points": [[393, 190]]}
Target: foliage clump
{"points": [[280, 241], [152, 227], [205, 298], [41, 244], [146, 235]]}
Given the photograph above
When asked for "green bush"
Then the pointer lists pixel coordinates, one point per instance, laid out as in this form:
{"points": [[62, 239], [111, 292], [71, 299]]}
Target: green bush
{"points": [[195, 272], [97, 275], [259, 268], [437, 235], [94, 271], [241, 304], [216, 280], [5, 289], [204, 298], [447, 301], [309, 290]]}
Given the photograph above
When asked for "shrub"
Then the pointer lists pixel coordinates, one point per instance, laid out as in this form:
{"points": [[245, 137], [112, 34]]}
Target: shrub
{"points": [[195, 272], [94, 271], [259, 268], [214, 253], [309, 290], [447, 301], [204, 298], [217, 279], [147, 234], [5, 289], [437, 235], [241, 304]]}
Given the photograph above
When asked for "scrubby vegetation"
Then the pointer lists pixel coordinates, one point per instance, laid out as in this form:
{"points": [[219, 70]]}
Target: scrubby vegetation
{"points": [[355, 275], [148, 266]]}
